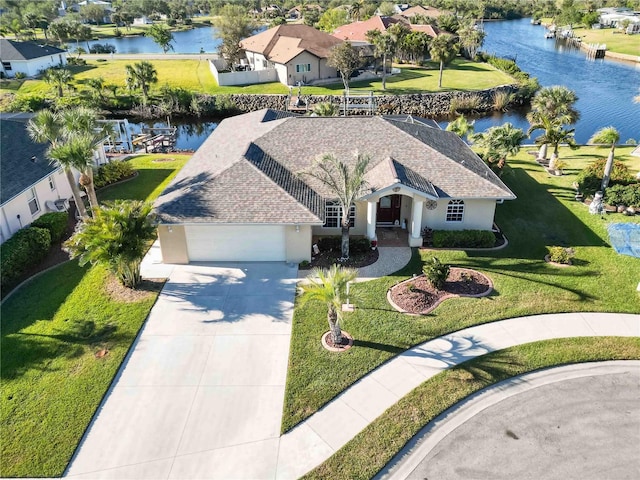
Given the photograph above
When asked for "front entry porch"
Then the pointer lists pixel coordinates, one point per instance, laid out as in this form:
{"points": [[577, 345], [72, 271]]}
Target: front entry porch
{"points": [[392, 237], [395, 218]]}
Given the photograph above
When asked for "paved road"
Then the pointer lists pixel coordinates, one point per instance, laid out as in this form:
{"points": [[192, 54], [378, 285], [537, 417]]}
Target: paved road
{"points": [[575, 428]]}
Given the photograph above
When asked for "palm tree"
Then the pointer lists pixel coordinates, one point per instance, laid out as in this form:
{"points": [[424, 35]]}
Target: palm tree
{"points": [[355, 11], [325, 109], [141, 75], [329, 287], [556, 104], [461, 127], [497, 143], [346, 184], [59, 78], [607, 135], [97, 85], [443, 49], [384, 45], [471, 39], [554, 135], [117, 238], [73, 135]]}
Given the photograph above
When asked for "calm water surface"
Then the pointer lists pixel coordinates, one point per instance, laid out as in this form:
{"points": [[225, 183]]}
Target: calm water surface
{"points": [[605, 88]]}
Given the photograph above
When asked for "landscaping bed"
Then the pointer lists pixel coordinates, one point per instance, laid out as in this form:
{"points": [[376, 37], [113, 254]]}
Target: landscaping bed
{"points": [[418, 296], [331, 257]]}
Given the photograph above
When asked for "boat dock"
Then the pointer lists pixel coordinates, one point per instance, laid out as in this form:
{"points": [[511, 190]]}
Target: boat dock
{"points": [[156, 139]]}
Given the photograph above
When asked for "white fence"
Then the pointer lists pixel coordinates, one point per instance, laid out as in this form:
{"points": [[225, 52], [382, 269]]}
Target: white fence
{"points": [[241, 78]]}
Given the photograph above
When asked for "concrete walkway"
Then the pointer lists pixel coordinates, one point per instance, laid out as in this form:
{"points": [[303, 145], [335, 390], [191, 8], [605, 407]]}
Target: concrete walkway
{"points": [[314, 440], [573, 421]]}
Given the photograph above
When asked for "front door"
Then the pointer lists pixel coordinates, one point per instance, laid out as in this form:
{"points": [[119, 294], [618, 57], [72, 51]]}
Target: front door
{"points": [[388, 209]]}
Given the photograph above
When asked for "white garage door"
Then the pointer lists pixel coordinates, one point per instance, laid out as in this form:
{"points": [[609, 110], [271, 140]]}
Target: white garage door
{"points": [[208, 243]]}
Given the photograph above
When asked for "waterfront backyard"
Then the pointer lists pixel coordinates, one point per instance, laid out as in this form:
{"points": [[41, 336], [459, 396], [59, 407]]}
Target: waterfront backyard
{"points": [[53, 380]]}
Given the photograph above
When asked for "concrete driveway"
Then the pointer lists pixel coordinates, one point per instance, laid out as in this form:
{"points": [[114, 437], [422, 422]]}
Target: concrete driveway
{"points": [[201, 393]]}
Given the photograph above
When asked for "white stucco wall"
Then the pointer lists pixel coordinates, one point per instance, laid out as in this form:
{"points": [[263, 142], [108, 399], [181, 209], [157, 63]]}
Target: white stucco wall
{"points": [[19, 205], [478, 215], [298, 243], [34, 66]]}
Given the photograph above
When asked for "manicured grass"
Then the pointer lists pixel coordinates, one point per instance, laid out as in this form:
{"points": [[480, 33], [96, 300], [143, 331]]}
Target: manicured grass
{"points": [[376, 445], [544, 214], [154, 174], [460, 75], [615, 39], [52, 382], [52, 327]]}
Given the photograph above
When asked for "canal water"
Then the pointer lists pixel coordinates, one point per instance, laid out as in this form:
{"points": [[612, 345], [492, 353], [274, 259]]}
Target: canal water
{"points": [[605, 88]]}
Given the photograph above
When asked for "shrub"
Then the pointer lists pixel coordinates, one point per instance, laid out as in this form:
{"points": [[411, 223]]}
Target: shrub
{"points": [[76, 61], [628, 195], [561, 255], [501, 100], [589, 179], [28, 103], [112, 172], [466, 103], [55, 222], [436, 272], [25, 249], [20, 75], [463, 239], [225, 105], [356, 245], [102, 48]]}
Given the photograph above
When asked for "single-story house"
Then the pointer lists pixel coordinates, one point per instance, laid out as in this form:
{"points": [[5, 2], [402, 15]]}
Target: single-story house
{"points": [[243, 196], [356, 32], [29, 181], [617, 16], [298, 53], [28, 57]]}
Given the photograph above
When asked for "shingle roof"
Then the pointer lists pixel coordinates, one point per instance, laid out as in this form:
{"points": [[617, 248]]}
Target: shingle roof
{"points": [[17, 171], [251, 168], [357, 31], [12, 50], [284, 42]]}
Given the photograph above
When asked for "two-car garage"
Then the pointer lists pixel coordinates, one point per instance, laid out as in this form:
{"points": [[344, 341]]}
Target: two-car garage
{"points": [[221, 243], [234, 243]]}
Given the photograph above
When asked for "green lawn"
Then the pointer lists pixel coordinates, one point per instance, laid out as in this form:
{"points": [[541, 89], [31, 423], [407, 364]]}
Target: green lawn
{"points": [[52, 381], [615, 40], [376, 445], [195, 76], [544, 214], [460, 75]]}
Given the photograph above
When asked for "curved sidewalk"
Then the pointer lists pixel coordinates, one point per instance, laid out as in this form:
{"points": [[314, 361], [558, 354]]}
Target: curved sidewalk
{"points": [[314, 440]]}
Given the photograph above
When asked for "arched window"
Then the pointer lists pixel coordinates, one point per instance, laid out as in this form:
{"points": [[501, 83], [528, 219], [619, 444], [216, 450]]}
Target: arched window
{"points": [[455, 211]]}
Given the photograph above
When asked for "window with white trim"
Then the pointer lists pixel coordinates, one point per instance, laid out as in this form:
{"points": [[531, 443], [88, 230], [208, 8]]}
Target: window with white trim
{"points": [[303, 67], [32, 200], [52, 183], [455, 211], [333, 215], [6, 66]]}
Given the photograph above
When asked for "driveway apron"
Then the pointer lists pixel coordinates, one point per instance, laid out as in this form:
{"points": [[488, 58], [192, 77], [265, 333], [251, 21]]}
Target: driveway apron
{"points": [[201, 393]]}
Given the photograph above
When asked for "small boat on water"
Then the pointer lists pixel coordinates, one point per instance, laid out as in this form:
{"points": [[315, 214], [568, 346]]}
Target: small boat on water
{"points": [[535, 22], [550, 35]]}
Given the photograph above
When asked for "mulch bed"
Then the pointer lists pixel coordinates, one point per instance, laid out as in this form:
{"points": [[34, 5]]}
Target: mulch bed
{"points": [[417, 296], [326, 259]]}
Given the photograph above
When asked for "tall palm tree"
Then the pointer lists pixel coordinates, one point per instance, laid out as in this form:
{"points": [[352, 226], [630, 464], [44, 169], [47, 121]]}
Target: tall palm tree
{"points": [[443, 49], [117, 238], [346, 184], [471, 39], [384, 45], [556, 105], [59, 78], [355, 10], [329, 287], [607, 135], [461, 127], [141, 75], [73, 135], [498, 143]]}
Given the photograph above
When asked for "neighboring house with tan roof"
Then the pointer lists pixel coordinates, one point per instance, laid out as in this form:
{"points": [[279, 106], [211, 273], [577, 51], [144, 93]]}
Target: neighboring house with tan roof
{"points": [[299, 53], [243, 195], [356, 32]]}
